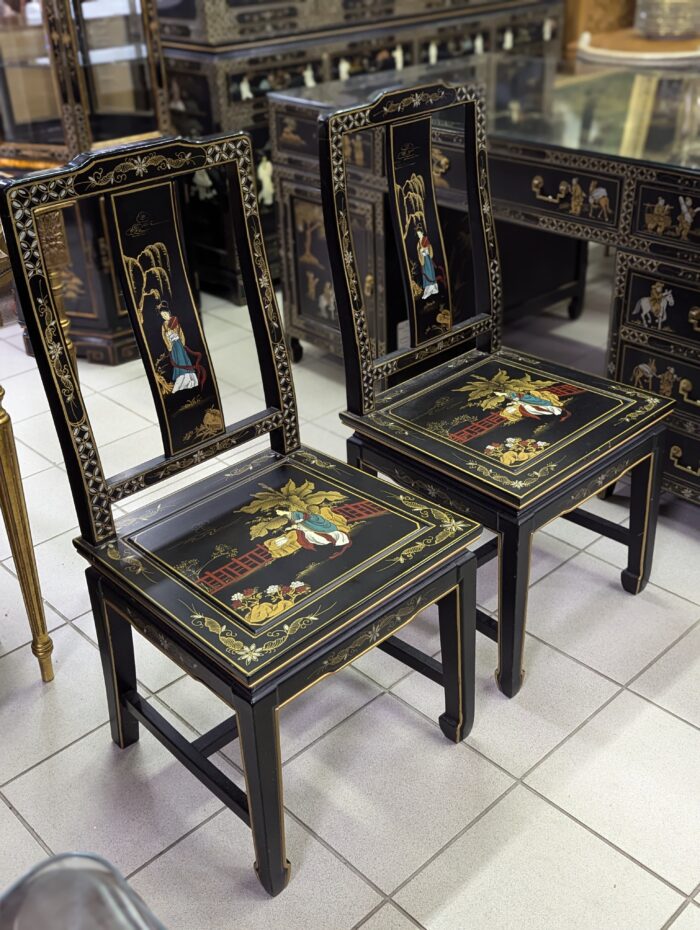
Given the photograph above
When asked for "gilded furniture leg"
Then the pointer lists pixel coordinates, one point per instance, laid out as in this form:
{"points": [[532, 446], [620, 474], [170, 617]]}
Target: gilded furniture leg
{"points": [[14, 511], [457, 618]]}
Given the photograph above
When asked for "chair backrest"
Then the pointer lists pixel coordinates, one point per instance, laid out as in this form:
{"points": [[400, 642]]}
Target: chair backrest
{"points": [[439, 327], [141, 192]]}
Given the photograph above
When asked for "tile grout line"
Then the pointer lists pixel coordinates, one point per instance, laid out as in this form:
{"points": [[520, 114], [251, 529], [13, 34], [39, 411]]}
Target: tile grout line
{"points": [[175, 842], [520, 781], [25, 823], [51, 755], [649, 583]]}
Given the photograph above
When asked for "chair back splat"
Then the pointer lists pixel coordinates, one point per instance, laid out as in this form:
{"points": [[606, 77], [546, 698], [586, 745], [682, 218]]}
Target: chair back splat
{"points": [[142, 194], [445, 316]]}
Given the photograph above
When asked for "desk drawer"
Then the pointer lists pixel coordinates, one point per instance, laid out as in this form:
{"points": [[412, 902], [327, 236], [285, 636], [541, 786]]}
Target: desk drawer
{"points": [[657, 304], [663, 373], [682, 468]]}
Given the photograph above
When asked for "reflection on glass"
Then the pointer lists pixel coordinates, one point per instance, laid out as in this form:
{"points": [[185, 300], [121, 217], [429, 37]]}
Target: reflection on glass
{"points": [[29, 110], [114, 56]]}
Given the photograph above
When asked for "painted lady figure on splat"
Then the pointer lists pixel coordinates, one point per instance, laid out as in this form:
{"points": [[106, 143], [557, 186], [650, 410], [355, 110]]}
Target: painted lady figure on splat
{"points": [[187, 370], [425, 257]]}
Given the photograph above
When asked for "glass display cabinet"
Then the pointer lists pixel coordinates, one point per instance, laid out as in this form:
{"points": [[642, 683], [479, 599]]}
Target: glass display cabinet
{"points": [[77, 75], [577, 153]]}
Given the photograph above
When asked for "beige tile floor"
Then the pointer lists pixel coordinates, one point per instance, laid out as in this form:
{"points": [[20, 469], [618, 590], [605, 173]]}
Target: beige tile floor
{"points": [[576, 806]]}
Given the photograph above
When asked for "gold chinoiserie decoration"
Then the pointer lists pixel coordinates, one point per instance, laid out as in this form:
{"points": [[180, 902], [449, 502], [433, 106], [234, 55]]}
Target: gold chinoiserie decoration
{"points": [[14, 511], [685, 386], [51, 230], [676, 454]]}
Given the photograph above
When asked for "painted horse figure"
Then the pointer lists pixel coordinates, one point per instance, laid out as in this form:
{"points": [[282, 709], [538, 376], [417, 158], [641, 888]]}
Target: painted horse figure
{"points": [[645, 371], [653, 308]]}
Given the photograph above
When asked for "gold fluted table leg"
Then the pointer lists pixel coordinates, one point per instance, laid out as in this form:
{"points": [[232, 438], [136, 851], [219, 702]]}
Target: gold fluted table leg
{"points": [[14, 511]]}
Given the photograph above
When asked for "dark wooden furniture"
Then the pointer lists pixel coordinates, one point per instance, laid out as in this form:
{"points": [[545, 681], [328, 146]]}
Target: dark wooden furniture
{"points": [[511, 440], [223, 58], [616, 178], [270, 575], [86, 77]]}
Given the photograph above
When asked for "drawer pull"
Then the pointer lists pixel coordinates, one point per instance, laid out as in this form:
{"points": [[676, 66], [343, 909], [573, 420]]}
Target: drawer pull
{"points": [[538, 183], [369, 285], [694, 318], [675, 454], [685, 386]]}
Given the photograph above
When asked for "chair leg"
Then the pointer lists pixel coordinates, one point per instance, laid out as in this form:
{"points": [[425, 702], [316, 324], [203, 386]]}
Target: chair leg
{"points": [[117, 652], [457, 617], [14, 512], [513, 580], [258, 731], [354, 456], [645, 493]]}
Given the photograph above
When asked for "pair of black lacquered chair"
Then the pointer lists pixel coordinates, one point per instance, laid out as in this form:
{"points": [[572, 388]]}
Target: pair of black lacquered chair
{"points": [[280, 570]]}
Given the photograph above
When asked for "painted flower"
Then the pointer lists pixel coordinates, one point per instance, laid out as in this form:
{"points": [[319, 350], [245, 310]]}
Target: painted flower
{"points": [[297, 584], [250, 654], [237, 597], [272, 589], [248, 592]]}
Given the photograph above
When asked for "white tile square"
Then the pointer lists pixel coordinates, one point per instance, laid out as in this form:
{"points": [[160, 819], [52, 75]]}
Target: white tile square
{"points": [[557, 696], [631, 774], [676, 552], [582, 609], [547, 554], [615, 509], [13, 359], [61, 575], [673, 681], [528, 866], [111, 421], [124, 804], [131, 451], [386, 789], [103, 377], [689, 919], [19, 851], [14, 624], [388, 917], [207, 881], [153, 669], [302, 721], [36, 718]]}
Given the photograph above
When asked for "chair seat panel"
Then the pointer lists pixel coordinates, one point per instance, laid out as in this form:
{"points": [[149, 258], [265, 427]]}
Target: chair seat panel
{"points": [[511, 425], [278, 552]]}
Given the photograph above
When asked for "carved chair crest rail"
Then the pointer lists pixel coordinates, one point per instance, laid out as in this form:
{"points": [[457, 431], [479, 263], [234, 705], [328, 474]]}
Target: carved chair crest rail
{"points": [[511, 440], [271, 574]]}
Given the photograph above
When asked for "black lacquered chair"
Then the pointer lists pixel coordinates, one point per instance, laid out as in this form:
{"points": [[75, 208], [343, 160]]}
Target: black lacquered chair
{"points": [[511, 440], [277, 571]]}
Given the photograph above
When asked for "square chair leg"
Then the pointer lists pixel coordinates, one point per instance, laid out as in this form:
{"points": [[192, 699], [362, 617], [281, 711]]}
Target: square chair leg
{"points": [[513, 581], [258, 731], [117, 653], [457, 618], [645, 493]]}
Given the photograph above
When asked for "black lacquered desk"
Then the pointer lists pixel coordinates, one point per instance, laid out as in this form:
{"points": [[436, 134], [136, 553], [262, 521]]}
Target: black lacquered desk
{"points": [[587, 155]]}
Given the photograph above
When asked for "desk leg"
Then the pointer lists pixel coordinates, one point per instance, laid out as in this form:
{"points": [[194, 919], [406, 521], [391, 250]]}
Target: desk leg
{"points": [[14, 512]]}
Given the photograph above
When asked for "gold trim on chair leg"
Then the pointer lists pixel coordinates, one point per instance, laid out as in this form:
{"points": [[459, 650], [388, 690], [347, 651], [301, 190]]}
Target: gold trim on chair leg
{"points": [[14, 511]]}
